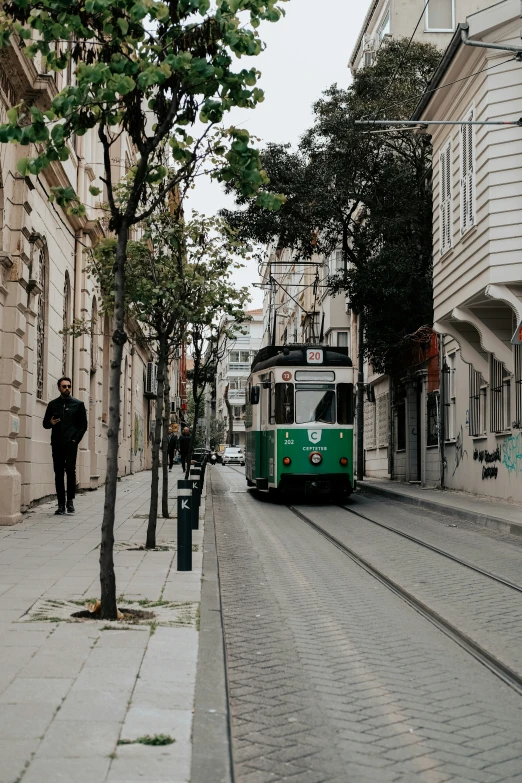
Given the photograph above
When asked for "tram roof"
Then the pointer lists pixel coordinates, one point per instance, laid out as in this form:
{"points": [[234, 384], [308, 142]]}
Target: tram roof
{"points": [[295, 355]]}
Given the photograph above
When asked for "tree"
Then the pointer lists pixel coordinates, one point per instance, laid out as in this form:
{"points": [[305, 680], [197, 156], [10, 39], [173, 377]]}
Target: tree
{"points": [[169, 271], [230, 415], [368, 193], [148, 68]]}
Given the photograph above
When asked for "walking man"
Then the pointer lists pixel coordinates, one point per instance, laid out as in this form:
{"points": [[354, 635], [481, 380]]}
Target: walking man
{"points": [[67, 418], [172, 446], [184, 445]]}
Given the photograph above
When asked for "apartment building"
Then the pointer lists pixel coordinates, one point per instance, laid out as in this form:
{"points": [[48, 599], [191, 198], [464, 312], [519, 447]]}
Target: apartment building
{"points": [[477, 252], [232, 373]]}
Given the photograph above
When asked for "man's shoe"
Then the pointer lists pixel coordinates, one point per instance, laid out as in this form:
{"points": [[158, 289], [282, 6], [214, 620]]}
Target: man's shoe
{"points": [[60, 510], [70, 507]]}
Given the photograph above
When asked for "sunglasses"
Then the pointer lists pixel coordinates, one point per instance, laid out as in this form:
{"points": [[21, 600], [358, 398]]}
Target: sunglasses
{"points": [[65, 386]]}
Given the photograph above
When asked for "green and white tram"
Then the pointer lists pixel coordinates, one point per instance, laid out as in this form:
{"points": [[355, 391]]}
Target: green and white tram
{"points": [[299, 420]]}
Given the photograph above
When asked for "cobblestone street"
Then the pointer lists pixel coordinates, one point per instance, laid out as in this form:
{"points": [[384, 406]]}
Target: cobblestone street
{"points": [[334, 678]]}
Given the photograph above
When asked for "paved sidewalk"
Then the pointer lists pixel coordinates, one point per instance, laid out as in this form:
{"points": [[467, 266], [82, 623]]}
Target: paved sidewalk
{"points": [[71, 692], [498, 515]]}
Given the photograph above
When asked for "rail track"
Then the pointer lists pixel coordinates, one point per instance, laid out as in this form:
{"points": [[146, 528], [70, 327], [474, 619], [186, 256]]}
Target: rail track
{"points": [[503, 672]]}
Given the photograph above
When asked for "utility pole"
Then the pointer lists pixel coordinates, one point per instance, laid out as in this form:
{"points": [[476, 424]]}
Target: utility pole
{"points": [[360, 398]]}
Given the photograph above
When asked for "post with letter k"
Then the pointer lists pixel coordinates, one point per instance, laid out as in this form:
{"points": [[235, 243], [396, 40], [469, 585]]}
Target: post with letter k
{"points": [[184, 525], [196, 479]]}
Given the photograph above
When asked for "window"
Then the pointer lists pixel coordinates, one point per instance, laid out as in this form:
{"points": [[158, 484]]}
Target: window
{"points": [[336, 262], [445, 174], [440, 15], [401, 425], [345, 407], [518, 385], [500, 382], [370, 440], [65, 323], [432, 413], [284, 403], [467, 173], [41, 325], [244, 356], [384, 28], [450, 407], [234, 356], [94, 335], [342, 339], [315, 402], [368, 59], [477, 403]]}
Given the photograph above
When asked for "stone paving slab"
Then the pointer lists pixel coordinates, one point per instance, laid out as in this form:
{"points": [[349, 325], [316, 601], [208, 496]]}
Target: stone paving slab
{"points": [[70, 691]]}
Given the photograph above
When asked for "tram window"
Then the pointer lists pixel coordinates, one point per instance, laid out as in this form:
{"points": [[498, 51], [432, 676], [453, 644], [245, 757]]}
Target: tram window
{"points": [[284, 403], [345, 403], [315, 402]]}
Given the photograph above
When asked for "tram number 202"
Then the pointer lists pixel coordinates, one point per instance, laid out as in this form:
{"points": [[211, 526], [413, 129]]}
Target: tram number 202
{"points": [[289, 442], [314, 357]]}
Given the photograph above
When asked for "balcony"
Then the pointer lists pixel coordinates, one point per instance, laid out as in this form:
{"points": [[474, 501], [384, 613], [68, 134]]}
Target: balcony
{"points": [[238, 366], [237, 396]]}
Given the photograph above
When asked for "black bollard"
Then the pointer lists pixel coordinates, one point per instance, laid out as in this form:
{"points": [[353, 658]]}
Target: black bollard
{"points": [[195, 477], [185, 503]]}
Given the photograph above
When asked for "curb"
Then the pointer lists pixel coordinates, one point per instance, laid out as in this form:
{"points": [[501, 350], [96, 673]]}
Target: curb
{"points": [[484, 520], [211, 745]]}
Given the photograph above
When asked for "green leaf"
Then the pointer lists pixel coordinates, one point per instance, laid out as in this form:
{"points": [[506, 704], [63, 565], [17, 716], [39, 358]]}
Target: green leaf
{"points": [[94, 191], [12, 115], [22, 166], [123, 25]]}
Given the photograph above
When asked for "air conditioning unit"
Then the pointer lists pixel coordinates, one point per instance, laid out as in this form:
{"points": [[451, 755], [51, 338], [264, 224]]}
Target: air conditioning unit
{"points": [[348, 306], [151, 380], [368, 43]]}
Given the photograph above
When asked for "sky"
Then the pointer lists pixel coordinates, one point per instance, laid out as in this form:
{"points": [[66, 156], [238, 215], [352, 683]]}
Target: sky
{"points": [[306, 52]]}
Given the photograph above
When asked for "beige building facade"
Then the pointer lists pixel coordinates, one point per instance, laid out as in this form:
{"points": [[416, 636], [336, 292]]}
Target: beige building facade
{"points": [[44, 286]]}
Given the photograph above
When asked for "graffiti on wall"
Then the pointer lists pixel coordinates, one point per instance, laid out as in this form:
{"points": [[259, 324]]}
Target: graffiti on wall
{"points": [[512, 454], [487, 459], [459, 450]]}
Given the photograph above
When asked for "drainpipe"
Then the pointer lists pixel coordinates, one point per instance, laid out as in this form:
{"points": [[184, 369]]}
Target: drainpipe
{"points": [[360, 398], [464, 28], [442, 398]]}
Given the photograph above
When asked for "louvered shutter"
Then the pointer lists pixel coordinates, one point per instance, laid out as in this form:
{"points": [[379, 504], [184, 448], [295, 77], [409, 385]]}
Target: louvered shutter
{"points": [[445, 199], [467, 174]]}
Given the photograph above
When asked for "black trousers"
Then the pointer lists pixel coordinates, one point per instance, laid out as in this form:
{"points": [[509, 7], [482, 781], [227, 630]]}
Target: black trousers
{"points": [[183, 460], [64, 461]]}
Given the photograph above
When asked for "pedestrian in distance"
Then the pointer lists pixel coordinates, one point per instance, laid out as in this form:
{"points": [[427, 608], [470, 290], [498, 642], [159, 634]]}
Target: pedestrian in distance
{"points": [[172, 446], [184, 446], [67, 418]]}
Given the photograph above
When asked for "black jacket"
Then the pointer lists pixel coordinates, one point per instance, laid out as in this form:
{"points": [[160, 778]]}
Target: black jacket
{"points": [[183, 444], [72, 424], [173, 442]]}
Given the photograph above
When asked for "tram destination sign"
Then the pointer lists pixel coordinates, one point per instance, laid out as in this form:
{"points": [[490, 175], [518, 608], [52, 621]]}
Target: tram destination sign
{"points": [[314, 356], [517, 337]]}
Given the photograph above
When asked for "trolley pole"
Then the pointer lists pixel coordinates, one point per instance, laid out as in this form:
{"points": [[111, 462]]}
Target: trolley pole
{"points": [[360, 398], [196, 484], [185, 525]]}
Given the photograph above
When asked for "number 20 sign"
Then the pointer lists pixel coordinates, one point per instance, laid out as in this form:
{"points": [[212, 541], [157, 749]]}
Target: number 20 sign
{"points": [[314, 356]]}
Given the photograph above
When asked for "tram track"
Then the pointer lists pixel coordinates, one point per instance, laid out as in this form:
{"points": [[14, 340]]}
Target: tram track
{"points": [[483, 656], [477, 569]]}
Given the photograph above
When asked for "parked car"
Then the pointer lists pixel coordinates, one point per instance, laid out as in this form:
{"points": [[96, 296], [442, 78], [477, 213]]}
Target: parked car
{"points": [[233, 456]]}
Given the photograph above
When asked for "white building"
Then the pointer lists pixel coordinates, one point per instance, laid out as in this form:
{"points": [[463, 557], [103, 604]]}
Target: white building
{"points": [[233, 370], [477, 214]]}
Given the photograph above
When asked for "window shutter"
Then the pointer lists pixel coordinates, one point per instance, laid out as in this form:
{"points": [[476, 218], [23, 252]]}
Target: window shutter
{"points": [[445, 199], [467, 174]]}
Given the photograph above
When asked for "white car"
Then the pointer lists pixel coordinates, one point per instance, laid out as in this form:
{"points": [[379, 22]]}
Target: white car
{"points": [[233, 456]]}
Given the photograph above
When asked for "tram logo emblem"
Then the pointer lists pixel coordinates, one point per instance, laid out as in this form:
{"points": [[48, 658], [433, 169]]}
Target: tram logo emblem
{"points": [[314, 436]]}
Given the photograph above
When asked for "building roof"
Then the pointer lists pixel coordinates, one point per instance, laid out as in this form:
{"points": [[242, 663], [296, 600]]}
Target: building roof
{"points": [[259, 311]]}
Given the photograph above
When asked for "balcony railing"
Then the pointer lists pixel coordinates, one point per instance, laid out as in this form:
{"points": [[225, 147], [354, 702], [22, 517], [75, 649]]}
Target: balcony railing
{"points": [[237, 396], [238, 366]]}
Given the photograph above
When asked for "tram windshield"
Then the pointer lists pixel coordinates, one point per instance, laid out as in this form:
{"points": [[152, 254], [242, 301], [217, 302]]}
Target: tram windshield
{"points": [[315, 402]]}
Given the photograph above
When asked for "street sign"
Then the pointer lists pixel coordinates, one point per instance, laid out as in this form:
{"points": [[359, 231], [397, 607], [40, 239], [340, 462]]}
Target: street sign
{"points": [[517, 337]]}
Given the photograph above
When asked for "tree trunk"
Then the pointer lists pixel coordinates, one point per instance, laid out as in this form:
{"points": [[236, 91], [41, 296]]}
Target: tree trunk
{"points": [[230, 433], [108, 609], [360, 398], [166, 417], [156, 444]]}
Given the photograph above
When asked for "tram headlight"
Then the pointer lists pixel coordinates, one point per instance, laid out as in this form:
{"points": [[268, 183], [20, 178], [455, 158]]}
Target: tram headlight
{"points": [[287, 461], [315, 458], [343, 461]]}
